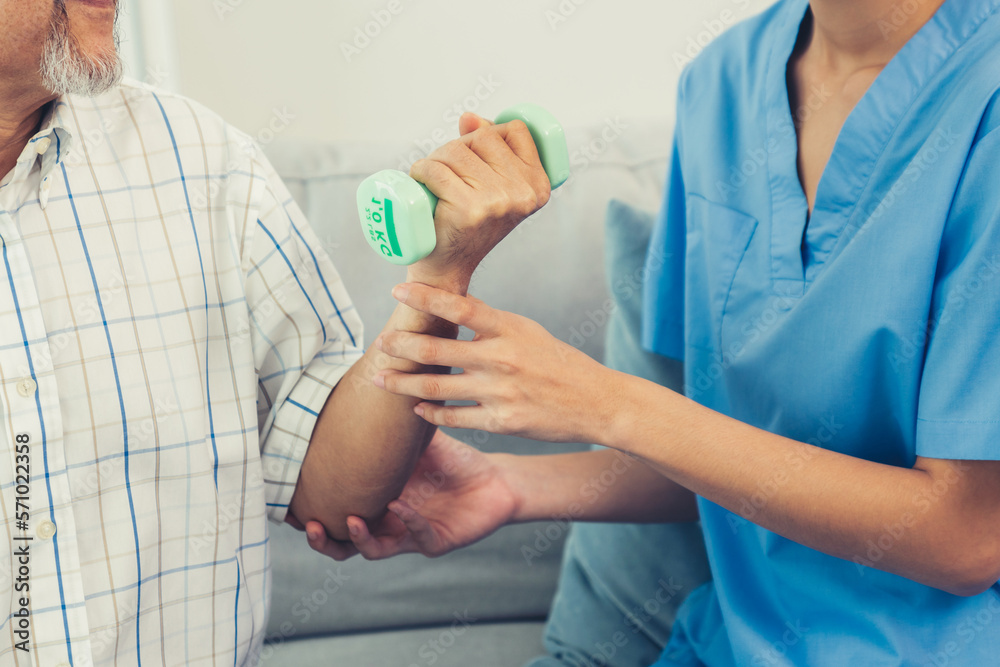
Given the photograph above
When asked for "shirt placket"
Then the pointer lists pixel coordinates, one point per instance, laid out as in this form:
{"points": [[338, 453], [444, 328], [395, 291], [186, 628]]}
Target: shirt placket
{"points": [[47, 571]]}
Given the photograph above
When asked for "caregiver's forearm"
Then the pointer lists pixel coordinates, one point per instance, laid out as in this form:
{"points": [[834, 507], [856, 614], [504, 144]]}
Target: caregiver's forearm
{"points": [[939, 519], [604, 485]]}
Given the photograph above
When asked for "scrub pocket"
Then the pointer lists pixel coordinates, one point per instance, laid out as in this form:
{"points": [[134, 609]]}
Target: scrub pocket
{"points": [[717, 241]]}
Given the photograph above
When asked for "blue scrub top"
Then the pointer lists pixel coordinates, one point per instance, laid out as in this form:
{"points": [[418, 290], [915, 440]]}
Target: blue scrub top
{"points": [[873, 331]]}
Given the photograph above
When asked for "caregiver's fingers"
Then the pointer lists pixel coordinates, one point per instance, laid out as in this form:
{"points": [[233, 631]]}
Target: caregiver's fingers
{"points": [[476, 417], [428, 387], [419, 528], [465, 311], [321, 542], [425, 349], [377, 548]]}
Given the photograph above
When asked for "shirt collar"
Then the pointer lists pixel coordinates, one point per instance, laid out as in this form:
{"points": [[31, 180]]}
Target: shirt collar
{"points": [[51, 144]]}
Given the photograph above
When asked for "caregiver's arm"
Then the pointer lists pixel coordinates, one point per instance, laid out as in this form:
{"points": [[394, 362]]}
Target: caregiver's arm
{"points": [[366, 442], [935, 523], [458, 495], [605, 485]]}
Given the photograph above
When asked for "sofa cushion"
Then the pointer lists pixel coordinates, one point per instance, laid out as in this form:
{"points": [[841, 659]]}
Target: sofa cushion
{"points": [[549, 269], [604, 612]]}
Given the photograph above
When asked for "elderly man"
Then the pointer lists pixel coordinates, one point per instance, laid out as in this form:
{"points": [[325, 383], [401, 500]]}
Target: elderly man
{"points": [[178, 351]]}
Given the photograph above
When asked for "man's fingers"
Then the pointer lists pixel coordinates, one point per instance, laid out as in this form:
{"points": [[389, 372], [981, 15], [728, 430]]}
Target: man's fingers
{"points": [[420, 530], [460, 158], [461, 310], [429, 386], [515, 134], [489, 145], [510, 151], [518, 137], [426, 350], [470, 122], [438, 177]]}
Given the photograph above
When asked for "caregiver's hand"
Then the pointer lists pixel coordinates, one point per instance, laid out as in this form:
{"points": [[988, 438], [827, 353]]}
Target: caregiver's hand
{"points": [[523, 380], [456, 496]]}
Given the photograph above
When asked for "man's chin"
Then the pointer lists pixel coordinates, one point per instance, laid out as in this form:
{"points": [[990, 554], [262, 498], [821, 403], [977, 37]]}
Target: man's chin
{"points": [[82, 77], [80, 56]]}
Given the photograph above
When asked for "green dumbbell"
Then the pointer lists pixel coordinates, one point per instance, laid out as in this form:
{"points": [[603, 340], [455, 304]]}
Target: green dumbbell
{"points": [[397, 212]]}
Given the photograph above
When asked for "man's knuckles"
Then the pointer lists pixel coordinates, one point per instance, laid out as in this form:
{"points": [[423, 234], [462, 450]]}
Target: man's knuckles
{"points": [[429, 172], [542, 188], [528, 200], [518, 134], [458, 156], [488, 142]]}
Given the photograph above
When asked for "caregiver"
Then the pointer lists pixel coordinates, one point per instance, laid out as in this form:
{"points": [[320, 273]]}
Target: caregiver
{"points": [[838, 314]]}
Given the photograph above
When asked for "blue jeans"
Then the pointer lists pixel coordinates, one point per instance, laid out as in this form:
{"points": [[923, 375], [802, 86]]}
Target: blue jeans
{"points": [[619, 591]]}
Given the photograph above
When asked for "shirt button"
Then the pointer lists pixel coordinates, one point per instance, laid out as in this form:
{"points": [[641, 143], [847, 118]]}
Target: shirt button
{"points": [[46, 529], [26, 387], [42, 145]]}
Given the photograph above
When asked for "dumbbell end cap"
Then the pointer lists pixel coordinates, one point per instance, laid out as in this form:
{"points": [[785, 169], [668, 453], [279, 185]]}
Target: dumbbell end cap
{"points": [[397, 215], [549, 137]]}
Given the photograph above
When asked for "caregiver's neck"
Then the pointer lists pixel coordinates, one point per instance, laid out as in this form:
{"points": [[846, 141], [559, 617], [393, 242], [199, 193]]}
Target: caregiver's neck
{"points": [[856, 34]]}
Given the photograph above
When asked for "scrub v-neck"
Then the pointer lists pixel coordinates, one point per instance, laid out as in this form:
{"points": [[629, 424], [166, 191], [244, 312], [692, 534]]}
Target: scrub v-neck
{"points": [[801, 243]]}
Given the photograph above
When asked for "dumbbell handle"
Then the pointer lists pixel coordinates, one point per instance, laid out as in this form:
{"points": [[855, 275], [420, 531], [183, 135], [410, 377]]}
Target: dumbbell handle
{"points": [[397, 212]]}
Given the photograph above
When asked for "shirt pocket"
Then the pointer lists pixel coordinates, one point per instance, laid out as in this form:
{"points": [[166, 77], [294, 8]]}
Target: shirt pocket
{"points": [[717, 241]]}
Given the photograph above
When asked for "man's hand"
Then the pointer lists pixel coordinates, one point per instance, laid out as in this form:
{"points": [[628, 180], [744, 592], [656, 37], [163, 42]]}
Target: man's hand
{"points": [[456, 496], [487, 182], [525, 382]]}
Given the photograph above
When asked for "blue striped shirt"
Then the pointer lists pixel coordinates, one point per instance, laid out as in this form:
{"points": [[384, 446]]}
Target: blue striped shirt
{"points": [[170, 328]]}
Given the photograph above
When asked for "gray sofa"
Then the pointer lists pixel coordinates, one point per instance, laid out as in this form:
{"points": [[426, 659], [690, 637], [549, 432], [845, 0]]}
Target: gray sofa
{"points": [[486, 605]]}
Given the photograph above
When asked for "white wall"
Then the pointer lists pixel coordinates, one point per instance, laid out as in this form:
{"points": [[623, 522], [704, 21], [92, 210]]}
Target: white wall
{"points": [[586, 60], [149, 45]]}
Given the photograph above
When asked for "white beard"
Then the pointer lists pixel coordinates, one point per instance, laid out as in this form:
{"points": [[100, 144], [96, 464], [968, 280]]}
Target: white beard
{"points": [[67, 71]]}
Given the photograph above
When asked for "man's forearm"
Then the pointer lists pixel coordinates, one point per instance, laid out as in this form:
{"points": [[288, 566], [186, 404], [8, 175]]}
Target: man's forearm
{"points": [[366, 441], [604, 485]]}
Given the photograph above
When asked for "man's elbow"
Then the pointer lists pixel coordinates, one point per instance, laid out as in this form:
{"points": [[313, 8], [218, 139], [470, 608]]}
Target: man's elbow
{"points": [[313, 501], [371, 508]]}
